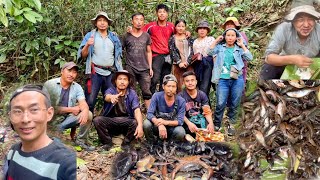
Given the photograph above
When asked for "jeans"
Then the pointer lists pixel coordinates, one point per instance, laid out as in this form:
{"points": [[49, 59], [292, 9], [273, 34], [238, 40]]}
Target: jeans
{"points": [[107, 127], [143, 77], [151, 132], [71, 121], [98, 83], [228, 89], [203, 70], [160, 69]]}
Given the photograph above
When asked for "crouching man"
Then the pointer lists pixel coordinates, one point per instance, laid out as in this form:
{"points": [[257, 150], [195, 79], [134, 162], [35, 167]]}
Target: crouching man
{"points": [[198, 112], [165, 115], [122, 114], [69, 100]]}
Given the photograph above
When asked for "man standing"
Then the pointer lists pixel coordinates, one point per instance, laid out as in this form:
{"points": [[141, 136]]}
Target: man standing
{"points": [[160, 32], [166, 113], [198, 112], [293, 42], [36, 156], [122, 113], [102, 50], [139, 56], [69, 100]]}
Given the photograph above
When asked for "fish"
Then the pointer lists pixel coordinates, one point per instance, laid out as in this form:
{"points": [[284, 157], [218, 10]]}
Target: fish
{"points": [[302, 93], [260, 138]]}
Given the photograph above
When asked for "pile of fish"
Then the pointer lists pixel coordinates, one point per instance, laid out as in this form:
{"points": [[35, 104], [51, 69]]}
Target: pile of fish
{"points": [[281, 118], [170, 160]]}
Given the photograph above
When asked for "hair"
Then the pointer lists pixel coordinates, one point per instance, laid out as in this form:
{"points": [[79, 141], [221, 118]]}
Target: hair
{"points": [[162, 6], [188, 73], [137, 14], [179, 21]]}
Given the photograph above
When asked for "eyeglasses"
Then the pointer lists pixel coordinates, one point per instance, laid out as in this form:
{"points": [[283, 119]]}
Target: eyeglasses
{"points": [[33, 111]]}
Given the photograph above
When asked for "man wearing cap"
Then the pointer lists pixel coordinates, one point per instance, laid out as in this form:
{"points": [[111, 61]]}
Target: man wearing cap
{"points": [[165, 115], [102, 50], [121, 114], [294, 41], [139, 56], [36, 156], [203, 64], [69, 100]]}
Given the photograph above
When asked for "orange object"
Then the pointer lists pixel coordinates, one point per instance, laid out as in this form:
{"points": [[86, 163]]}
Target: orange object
{"points": [[204, 135]]}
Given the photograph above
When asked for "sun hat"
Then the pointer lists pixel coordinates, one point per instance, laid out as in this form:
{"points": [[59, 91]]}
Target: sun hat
{"points": [[203, 24], [234, 20], [101, 13], [302, 9]]}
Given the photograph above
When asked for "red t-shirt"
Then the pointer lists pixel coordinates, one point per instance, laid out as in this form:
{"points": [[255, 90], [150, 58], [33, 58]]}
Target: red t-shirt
{"points": [[160, 36]]}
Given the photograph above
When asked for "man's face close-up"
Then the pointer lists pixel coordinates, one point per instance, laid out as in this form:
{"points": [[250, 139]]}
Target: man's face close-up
{"points": [[138, 21], [69, 75], [304, 24], [102, 23], [122, 82], [162, 14], [190, 82], [29, 115], [170, 88]]}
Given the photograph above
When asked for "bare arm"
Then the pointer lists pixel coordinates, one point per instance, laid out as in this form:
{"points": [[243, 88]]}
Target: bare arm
{"points": [[149, 57], [299, 60]]}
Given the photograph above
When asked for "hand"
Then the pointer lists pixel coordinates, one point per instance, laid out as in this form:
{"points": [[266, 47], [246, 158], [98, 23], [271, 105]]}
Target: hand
{"points": [[139, 132], [158, 122], [129, 29], [219, 39], [240, 42], [210, 128], [188, 34], [182, 65], [162, 132], [151, 72], [302, 61], [75, 110], [192, 127], [115, 98], [83, 118], [90, 40]]}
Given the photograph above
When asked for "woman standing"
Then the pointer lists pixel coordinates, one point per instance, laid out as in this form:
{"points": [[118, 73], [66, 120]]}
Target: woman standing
{"points": [[181, 52], [203, 64]]}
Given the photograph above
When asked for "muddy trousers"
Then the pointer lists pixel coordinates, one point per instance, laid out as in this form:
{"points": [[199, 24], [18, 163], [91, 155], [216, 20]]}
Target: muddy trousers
{"points": [[107, 127]]}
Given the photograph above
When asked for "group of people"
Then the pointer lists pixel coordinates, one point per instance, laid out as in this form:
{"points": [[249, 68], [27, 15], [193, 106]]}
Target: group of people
{"points": [[161, 53]]}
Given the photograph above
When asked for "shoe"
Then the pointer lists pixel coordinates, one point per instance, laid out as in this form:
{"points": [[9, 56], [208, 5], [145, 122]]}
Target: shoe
{"points": [[106, 147], [83, 145], [217, 128], [231, 130]]}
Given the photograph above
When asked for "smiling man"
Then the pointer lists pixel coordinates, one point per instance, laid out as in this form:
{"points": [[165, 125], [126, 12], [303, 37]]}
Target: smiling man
{"points": [[36, 156], [294, 42], [69, 100]]}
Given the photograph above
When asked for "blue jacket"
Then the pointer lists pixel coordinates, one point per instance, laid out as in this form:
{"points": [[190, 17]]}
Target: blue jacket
{"points": [[117, 48], [219, 51]]}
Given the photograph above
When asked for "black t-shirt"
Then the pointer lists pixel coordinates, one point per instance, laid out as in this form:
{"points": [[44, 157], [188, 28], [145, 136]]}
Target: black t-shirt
{"points": [[64, 97], [136, 48], [119, 109], [194, 105]]}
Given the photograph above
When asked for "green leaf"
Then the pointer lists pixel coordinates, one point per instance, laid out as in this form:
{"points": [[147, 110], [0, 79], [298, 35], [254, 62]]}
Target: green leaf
{"points": [[291, 70], [80, 162], [17, 3], [35, 44], [3, 18], [61, 37], [37, 4], [30, 17], [26, 9], [28, 47], [67, 43], [19, 19], [78, 148], [17, 12], [58, 47], [57, 61], [46, 66], [3, 58], [46, 53], [48, 41]]}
